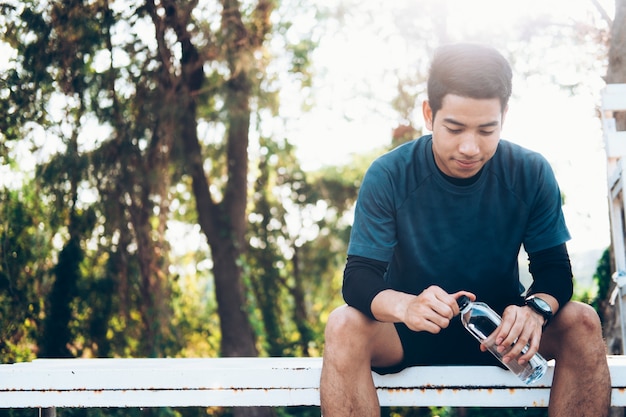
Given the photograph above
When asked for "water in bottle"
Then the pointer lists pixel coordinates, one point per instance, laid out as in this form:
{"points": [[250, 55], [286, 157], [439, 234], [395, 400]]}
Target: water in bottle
{"points": [[481, 321]]}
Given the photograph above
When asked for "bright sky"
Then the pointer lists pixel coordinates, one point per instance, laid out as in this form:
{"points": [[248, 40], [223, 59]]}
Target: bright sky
{"points": [[352, 112]]}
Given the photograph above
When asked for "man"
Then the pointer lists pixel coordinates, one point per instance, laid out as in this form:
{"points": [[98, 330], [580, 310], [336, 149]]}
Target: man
{"points": [[446, 215]]}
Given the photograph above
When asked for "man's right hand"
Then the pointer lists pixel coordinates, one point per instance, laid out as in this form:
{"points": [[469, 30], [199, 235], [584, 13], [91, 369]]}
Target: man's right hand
{"points": [[429, 311]]}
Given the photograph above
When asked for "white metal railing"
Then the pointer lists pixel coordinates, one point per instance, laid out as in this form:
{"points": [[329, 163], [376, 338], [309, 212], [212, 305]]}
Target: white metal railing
{"points": [[614, 100]]}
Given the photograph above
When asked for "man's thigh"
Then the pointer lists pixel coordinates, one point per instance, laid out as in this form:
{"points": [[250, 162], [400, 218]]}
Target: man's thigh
{"points": [[387, 346], [358, 336]]}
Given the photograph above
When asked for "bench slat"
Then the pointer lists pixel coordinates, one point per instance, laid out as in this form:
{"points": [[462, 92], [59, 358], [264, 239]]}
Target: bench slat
{"points": [[204, 382]]}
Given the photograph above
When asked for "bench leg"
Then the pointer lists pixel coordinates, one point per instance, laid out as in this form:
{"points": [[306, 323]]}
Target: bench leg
{"points": [[48, 412]]}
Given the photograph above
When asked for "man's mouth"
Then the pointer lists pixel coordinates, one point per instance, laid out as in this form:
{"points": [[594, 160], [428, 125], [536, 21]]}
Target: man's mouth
{"points": [[467, 164]]}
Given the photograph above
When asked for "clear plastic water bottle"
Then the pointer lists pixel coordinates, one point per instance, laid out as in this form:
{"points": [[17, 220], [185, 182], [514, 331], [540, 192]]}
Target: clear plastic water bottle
{"points": [[481, 321]]}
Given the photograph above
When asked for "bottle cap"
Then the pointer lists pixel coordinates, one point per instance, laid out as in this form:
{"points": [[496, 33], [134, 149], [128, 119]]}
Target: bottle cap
{"points": [[463, 301]]}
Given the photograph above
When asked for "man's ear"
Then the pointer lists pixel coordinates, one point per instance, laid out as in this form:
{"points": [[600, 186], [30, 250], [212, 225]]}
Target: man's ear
{"points": [[504, 112], [428, 115]]}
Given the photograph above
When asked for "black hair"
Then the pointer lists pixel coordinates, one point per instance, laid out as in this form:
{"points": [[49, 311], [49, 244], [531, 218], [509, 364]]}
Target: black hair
{"points": [[469, 70]]}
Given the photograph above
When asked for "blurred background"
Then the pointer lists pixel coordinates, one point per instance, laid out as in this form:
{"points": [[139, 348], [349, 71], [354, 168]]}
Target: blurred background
{"points": [[177, 178]]}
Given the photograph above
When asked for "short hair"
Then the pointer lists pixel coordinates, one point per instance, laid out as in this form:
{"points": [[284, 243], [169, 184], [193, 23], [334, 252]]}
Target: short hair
{"points": [[468, 70]]}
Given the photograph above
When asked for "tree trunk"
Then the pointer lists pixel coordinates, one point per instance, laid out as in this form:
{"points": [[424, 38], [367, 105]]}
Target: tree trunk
{"points": [[224, 226], [223, 223], [616, 72], [300, 314]]}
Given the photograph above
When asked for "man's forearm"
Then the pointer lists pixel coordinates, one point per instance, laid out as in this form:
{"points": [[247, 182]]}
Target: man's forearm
{"points": [[391, 305]]}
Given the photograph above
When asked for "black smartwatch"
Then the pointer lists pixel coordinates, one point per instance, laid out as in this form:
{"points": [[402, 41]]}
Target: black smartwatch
{"points": [[541, 307]]}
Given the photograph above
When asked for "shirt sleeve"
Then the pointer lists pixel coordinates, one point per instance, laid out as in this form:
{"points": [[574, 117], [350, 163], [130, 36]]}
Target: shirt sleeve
{"points": [[363, 279], [552, 273], [546, 225], [373, 232]]}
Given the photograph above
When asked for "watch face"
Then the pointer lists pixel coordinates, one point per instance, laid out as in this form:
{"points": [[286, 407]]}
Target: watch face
{"points": [[542, 304], [541, 307]]}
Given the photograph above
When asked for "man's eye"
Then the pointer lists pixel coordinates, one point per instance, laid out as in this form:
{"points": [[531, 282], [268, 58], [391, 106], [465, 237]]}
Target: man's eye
{"points": [[453, 130], [487, 132]]}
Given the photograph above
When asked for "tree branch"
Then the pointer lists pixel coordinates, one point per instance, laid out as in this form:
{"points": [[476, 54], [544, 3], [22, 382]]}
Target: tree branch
{"points": [[162, 49], [603, 13]]}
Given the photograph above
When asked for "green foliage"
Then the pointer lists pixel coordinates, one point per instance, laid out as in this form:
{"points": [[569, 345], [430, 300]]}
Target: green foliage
{"points": [[507, 412], [303, 411], [296, 250], [464, 412], [602, 278], [111, 289], [25, 252]]}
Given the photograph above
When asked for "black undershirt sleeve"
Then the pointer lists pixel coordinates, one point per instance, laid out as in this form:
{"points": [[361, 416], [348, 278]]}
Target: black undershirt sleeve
{"points": [[552, 273], [363, 279]]}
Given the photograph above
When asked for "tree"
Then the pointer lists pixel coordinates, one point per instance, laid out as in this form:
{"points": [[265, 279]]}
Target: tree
{"points": [[25, 249], [616, 71], [298, 239], [203, 66], [222, 222], [57, 43]]}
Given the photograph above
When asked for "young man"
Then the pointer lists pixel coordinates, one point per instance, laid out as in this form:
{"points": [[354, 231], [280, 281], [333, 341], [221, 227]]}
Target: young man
{"points": [[446, 215]]}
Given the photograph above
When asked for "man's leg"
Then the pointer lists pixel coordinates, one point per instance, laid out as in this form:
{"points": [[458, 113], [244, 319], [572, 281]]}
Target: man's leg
{"points": [[354, 344], [582, 385]]}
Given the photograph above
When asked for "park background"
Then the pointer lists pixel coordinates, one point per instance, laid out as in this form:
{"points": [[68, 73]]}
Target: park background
{"points": [[178, 177]]}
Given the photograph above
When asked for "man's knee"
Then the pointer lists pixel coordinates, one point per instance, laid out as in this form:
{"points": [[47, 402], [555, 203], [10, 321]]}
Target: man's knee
{"points": [[352, 337], [344, 321], [579, 318], [576, 331]]}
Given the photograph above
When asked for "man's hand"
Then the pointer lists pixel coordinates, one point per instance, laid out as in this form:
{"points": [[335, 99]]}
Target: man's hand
{"points": [[520, 326], [429, 311]]}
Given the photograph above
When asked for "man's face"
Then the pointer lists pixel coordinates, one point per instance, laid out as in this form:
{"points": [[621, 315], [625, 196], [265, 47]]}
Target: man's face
{"points": [[466, 133]]}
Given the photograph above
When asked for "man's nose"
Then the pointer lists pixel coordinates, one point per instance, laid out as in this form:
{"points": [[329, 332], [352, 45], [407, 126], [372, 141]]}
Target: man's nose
{"points": [[469, 145]]}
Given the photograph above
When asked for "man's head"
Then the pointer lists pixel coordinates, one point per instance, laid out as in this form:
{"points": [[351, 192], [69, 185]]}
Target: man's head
{"points": [[471, 71], [468, 93]]}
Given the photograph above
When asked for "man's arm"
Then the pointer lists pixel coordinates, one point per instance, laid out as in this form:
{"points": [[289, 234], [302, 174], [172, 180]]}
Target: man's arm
{"points": [[552, 276], [552, 282], [365, 289], [429, 311]]}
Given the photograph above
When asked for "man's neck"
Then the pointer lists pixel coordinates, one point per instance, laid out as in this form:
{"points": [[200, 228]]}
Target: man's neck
{"points": [[460, 181]]}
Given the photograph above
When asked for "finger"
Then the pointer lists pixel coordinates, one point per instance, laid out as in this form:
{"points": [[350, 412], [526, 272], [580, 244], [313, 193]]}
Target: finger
{"points": [[455, 296], [508, 332], [428, 321], [533, 346], [514, 334], [459, 294], [521, 351], [428, 312], [442, 303], [524, 337]]}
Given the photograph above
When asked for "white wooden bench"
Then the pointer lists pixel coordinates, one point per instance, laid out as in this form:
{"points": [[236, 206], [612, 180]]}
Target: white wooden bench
{"points": [[52, 383]]}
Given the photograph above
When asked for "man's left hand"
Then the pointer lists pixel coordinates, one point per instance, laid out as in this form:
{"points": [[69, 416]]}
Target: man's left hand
{"points": [[521, 326]]}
